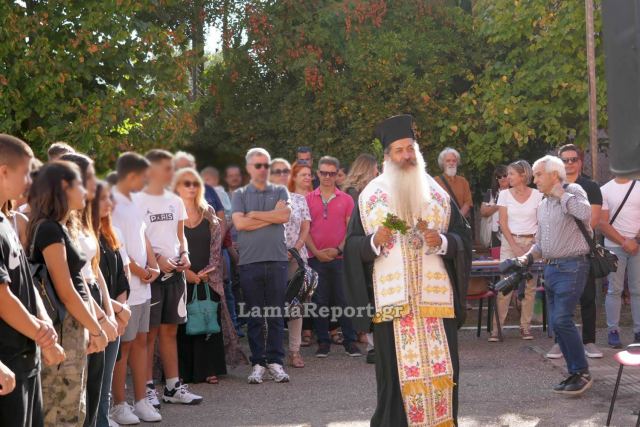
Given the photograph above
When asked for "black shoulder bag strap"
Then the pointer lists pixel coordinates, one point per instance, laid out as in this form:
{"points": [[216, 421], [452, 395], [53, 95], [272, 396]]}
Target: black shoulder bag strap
{"points": [[615, 215], [585, 233], [450, 191]]}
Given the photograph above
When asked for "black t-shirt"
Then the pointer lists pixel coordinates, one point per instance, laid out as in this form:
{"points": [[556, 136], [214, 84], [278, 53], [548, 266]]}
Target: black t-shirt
{"points": [[16, 350], [592, 189], [50, 232], [112, 268]]}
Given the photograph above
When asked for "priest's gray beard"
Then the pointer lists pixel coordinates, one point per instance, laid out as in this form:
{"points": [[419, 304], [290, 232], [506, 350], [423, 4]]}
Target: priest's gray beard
{"points": [[409, 187]]}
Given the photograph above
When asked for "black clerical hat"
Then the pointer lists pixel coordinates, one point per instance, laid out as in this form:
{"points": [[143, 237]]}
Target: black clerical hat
{"points": [[395, 128]]}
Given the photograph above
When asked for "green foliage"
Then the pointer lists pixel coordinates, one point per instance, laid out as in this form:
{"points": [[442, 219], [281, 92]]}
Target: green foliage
{"points": [[323, 73], [96, 74]]}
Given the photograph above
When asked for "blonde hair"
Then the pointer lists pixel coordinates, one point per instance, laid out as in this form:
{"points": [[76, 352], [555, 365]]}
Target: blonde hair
{"points": [[201, 203], [362, 171]]}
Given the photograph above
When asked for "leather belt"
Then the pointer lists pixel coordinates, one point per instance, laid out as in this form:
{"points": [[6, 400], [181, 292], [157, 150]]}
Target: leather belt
{"points": [[524, 236], [566, 259]]}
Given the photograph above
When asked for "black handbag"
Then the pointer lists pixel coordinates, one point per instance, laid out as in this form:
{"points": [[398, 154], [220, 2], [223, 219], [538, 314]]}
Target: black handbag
{"points": [[301, 286], [55, 309], [603, 261]]}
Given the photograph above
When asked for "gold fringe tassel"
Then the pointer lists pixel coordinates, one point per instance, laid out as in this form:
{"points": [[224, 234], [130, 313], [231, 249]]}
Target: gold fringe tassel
{"points": [[443, 312], [448, 423], [414, 387], [442, 383], [387, 314]]}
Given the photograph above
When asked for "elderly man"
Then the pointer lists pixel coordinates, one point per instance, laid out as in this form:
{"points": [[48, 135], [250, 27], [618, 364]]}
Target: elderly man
{"points": [[416, 276], [456, 185], [565, 250]]}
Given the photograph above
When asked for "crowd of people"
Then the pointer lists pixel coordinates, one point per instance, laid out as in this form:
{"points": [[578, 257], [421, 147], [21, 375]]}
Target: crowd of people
{"points": [[97, 276]]}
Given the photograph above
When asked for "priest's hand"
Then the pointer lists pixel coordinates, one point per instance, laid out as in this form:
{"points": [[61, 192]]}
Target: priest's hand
{"points": [[432, 238], [382, 237]]}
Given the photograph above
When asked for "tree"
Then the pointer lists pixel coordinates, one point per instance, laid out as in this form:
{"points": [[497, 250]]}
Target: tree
{"points": [[95, 74], [323, 73]]}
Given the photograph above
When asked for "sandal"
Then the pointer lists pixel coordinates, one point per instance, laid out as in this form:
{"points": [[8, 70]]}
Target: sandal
{"points": [[306, 341], [295, 360], [212, 380]]}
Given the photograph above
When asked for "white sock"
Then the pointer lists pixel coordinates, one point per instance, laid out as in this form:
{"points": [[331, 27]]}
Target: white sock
{"points": [[171, 383]]}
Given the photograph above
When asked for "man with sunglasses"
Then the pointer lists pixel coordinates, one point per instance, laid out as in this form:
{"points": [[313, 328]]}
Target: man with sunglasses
{"points": [[330, 211], [260, 211], [572, 156]]}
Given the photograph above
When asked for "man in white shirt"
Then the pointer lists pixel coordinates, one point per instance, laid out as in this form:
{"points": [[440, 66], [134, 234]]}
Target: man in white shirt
{"points": [[132, 170], [620, 223], [164, 215]]}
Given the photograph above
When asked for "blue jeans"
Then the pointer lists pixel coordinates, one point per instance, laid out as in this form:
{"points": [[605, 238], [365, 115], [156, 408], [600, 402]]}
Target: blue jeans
{"points": [[330, 289], [564, 284], [629, 264], [110, 355], [264, 284]]}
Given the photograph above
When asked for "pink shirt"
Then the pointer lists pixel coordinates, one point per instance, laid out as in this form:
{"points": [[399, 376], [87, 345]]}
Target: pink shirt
{"points": [[329, 224]]}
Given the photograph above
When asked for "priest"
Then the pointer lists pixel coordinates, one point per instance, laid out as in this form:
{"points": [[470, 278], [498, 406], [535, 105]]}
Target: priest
{"points": [[408, 257]]}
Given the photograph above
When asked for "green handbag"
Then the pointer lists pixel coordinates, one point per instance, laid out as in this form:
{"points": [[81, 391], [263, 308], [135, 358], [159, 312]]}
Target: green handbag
{"points": [[202, 315]]}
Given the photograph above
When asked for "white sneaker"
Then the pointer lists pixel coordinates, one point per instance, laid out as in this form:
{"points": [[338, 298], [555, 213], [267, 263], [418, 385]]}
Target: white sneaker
{"points": [[257, 375], [180, 394], [592, 351], [555, 352], [152, 396], [146, 412], [123, 414], [277, 373]]}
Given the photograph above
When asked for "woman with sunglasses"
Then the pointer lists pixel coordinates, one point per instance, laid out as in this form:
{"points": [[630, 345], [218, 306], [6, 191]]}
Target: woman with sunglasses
{"points": [[201, 358], [518, 207], [296, 231], [489, 208]]}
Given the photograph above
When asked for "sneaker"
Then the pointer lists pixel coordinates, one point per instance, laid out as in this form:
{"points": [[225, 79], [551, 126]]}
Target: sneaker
{"points": [[123, 414], [180, 394], [257, 375], [152, 396], [323, 350], [592, 351], [525, 334], [146, 412], [555, 352], [574, 385], [277, 373], [352, 350], [371, 357], [614, 339]]}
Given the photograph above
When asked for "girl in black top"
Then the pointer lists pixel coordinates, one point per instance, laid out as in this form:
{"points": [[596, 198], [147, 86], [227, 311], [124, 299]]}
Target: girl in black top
{"points": [[115, 272], [54, 195]]}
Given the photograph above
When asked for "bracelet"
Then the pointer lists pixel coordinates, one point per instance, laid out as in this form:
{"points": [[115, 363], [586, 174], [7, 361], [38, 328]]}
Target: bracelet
{"points": [[121, 308], [99, 334], [101, 319], [183, 253]]}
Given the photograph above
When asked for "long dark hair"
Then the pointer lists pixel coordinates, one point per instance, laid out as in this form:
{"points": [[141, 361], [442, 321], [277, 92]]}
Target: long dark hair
{"points": [[103, 227], [47, 197], [495, 184]]}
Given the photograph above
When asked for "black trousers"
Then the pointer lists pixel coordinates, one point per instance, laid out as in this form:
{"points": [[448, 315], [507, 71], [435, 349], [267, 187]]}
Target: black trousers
{"points": [[390, 408], [23, 406], [588, 310]]}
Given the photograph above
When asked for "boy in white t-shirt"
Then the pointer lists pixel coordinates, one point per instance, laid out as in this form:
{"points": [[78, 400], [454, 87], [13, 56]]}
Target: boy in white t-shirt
{"points": [[132, 170], [164, 215], [622, 237]]}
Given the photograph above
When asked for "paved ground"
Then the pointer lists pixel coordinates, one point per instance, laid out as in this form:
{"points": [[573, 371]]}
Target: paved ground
{"points": [[503, 384]]}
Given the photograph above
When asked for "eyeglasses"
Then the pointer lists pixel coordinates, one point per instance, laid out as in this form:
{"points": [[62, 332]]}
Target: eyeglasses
{"points": [[326, 174], [570, 160], [280, 172], [501, 176], [261, 165], [189, 184]]}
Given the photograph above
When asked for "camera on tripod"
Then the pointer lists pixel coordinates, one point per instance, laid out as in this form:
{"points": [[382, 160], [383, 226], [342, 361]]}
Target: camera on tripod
{"points": [[518, 275]]}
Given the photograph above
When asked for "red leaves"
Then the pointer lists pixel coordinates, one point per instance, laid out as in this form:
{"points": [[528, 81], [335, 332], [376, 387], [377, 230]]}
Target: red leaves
{"points": [[362, 11], [312, 78]]}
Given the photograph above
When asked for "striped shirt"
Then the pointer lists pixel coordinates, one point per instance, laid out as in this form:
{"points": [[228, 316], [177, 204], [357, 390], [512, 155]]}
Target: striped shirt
{"points": [[558, 235]]}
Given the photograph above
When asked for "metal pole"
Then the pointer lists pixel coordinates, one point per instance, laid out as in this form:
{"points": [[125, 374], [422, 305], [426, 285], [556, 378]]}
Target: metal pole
{"points": [[591, 65]]}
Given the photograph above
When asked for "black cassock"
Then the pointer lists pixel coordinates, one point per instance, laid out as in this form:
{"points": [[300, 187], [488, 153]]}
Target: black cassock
{"points": [[358, 268]]}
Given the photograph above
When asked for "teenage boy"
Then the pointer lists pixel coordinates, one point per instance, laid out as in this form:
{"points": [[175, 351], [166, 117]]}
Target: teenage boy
{"points": [[164, 215], [132, 170], [24, 323]]}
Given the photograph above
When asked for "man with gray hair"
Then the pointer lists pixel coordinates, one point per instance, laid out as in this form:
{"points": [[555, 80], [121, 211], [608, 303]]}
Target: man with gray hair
{"points": [[260, 211], [456, 185], [560, 242]]}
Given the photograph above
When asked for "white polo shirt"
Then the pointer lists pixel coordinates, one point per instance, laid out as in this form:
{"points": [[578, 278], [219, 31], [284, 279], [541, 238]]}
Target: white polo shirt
{"points": [[129, 221]]}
